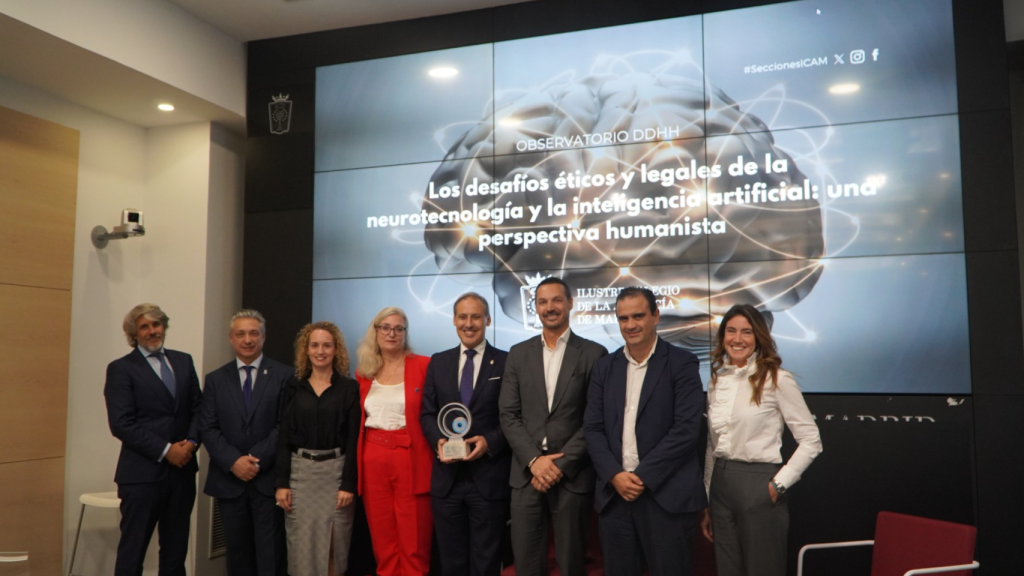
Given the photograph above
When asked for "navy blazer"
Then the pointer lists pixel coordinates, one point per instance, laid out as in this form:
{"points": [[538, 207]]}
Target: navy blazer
{"points": [[230, 430], [490, 472], [145, 417], [667, 426]]}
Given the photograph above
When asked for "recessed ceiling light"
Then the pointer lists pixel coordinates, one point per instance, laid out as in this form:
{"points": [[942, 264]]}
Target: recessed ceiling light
{"points": [[443, 72], [848, 88], [166, 107]]}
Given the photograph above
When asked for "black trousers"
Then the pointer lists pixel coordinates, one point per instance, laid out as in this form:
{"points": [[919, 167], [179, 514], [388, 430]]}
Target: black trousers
{"points": [[168, 504], [254, 534], [664, 538], [469, 529], [750, 531]]}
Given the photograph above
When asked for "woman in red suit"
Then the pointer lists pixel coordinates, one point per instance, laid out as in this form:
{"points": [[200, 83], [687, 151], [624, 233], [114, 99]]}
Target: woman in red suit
{"points": [[394, 460]]}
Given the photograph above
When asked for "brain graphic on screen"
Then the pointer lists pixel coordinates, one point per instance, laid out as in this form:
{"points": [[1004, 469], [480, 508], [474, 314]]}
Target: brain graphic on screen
{"points": [[763, 253]]}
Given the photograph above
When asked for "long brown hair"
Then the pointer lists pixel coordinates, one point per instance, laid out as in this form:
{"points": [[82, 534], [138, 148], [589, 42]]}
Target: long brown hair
{"points": [[303, 367], [768, 360]]}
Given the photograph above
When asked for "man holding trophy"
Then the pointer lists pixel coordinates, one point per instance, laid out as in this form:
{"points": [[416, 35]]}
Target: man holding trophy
{"points": [[469, 485]]}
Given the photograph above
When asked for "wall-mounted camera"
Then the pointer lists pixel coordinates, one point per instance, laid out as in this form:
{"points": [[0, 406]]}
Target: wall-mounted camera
{"points": [[131, 225]]}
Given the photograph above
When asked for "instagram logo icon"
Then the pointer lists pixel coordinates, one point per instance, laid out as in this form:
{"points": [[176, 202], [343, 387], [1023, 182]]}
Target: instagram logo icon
{"points": [[856, 57]]}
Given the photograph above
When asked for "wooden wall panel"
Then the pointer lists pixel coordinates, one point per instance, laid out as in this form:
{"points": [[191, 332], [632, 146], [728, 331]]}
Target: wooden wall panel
{"points": [[32, 501], [34, 349], [38, 187]]}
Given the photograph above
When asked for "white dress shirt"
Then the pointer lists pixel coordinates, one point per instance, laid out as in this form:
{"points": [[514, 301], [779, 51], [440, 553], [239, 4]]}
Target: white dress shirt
{"points": [[241, 373], [478, 360], [635, 373], [739, 429], [552, 366], [385, 406]]}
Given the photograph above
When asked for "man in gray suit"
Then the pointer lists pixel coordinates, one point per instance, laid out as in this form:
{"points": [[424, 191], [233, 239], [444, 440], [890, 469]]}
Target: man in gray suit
{"points": [[542, 402]]}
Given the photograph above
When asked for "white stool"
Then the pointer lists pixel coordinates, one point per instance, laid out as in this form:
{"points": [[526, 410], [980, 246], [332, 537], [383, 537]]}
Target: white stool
{"points": [[99, 500]]}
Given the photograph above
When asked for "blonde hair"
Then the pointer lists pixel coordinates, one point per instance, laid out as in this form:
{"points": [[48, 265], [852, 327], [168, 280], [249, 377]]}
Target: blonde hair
{"points": [[368, 353], [150, 311], [303, 367]]}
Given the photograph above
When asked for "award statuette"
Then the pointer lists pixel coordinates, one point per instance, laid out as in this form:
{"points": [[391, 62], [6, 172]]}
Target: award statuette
{"points": [[454, 421]]}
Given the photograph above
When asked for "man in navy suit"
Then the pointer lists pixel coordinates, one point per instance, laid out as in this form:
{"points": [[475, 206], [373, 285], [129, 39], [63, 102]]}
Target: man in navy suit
{"points": [[153, 398], [238, 422], [643, 417], [470, 497]]}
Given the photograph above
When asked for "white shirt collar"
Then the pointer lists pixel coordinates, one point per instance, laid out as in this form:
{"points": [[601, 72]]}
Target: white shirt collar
{"points": [[564, 338], [479, 348], [146, 353], [255, 363], [625, 351], [752, 361]]}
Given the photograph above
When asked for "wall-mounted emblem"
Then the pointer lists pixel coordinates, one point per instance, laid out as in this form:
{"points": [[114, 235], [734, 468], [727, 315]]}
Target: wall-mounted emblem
{"points": [[280, 114], [528, 295]]}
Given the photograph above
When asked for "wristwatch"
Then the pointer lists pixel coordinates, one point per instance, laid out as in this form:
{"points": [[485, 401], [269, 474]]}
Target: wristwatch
{"points": [[778, 487]]}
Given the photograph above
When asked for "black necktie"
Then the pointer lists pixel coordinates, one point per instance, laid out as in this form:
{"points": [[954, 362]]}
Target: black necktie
{"points": [[247, 385], [466, 383]]}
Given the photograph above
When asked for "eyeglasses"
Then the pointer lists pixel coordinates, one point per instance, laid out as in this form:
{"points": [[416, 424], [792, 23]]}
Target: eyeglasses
{"points": [[388, 329]]}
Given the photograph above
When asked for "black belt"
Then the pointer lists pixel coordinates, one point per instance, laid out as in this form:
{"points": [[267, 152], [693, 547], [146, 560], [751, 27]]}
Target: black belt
{"points": [[318, 456]]}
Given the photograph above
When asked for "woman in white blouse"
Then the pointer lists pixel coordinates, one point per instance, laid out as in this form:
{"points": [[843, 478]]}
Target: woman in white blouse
{"points": [[394, 459], [750, 397]]}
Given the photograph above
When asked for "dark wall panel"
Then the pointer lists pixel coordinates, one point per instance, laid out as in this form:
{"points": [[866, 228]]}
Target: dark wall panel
{"points": [[980, 55], [277, 274], [279, 173], [999, 444], [997, 360], [986, 162]]}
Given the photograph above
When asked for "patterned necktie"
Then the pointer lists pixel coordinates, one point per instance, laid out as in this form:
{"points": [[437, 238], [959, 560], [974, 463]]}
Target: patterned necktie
{"points": [[466, 384], [247, 385], [165, 371]]}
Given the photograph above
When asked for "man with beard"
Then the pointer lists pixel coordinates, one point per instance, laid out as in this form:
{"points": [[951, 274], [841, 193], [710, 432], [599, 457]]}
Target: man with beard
{"points": [[543, 398], [153, 399], [642, 424]]}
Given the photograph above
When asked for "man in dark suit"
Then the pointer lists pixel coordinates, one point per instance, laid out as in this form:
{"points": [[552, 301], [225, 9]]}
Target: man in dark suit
{"points": [[642, 422], [543, 398], [238, 420], [153, 398], [469, 497]]}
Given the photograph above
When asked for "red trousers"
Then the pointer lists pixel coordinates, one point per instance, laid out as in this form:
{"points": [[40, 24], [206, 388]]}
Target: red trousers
{"points": [[400, 522]]}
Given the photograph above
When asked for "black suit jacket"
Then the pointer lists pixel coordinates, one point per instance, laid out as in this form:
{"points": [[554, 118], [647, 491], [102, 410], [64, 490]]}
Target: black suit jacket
{"points": [[668, 422], [490, 472], [526, 419], [145, 417], [230, 430]]}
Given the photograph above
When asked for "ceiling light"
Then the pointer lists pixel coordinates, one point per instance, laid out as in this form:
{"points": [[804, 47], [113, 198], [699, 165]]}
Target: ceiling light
{"points": [[443, 72], [166, 107], [848, 88]]}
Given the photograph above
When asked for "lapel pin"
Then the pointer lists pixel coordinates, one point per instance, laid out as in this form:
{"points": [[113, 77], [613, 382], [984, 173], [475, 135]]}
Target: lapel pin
{"points": [[264, 371], [492, 361]]}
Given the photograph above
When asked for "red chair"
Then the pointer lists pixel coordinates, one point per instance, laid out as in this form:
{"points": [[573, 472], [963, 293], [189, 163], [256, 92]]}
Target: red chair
{"points": [[908, 545]]}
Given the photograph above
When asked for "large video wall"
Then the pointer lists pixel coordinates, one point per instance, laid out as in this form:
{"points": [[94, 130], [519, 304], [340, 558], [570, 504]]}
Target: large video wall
{"points": [[803, 157]]}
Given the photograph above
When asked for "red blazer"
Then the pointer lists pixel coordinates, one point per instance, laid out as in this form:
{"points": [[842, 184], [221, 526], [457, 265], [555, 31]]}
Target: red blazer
{"points": [[421, 456]]}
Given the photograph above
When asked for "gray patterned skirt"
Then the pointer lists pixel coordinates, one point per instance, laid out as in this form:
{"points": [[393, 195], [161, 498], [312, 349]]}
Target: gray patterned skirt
{"points": [[313, 518]]}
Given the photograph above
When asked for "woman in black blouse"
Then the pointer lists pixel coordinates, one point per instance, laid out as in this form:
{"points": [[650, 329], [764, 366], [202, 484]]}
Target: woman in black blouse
{"points": [[316, 456]]}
